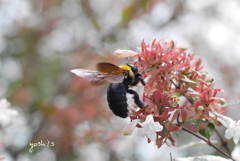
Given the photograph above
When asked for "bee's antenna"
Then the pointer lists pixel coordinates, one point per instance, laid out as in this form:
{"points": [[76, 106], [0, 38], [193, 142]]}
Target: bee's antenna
{"points": [[135, 63]]}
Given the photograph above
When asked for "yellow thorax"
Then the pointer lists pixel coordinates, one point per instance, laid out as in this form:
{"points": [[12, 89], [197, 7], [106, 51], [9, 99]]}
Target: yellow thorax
{"points": [[126, 67]]}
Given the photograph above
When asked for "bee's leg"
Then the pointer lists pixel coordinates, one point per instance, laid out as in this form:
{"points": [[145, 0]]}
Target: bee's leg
{"points": [[137, 101], [138, 78]]}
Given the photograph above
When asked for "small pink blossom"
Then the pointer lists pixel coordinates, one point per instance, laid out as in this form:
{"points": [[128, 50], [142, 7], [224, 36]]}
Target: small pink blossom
{"points": [[221, 101]]}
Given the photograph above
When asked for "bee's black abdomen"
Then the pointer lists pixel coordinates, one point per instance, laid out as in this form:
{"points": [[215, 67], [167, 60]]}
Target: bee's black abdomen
{"points": [[117, 100]]}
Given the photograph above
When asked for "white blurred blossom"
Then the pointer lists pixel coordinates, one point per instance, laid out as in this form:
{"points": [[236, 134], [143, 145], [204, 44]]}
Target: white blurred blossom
{"points": [[6, 114], [233, 127], [149, 128]]}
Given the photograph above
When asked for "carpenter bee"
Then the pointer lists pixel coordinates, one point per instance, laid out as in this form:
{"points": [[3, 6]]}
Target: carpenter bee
{"points": [[120, 78]]}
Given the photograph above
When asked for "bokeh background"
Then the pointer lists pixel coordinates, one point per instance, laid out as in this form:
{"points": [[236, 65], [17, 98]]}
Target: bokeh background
{"points": [[42, 40]]}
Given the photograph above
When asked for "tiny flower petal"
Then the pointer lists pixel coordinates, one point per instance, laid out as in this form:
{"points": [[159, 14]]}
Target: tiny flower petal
{"points": [[156, 127], [148, 120], [224, 120], [148, 133], [192, 94], [235, 152], [124, 53], [149, 128], [151, 135], [238, 123], [236, 137], [228, 133], [221, 101], [128, 130], [233, 128]]}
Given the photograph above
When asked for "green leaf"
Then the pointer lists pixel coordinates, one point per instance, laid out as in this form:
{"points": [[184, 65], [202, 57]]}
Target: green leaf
{"points": [[196, 121], [178, 94], [231, 103], [208, 131]]}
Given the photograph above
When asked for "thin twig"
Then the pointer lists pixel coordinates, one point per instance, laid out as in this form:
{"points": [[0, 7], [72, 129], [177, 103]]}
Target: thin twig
{"points": [[209, 143], [224, 143]]}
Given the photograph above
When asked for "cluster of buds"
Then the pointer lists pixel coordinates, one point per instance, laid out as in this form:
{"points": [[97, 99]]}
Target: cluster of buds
{"points": [[177, 94]]}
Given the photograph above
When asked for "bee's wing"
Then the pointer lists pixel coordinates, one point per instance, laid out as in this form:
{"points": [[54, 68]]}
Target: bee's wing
{"points": [[112, 73], [106, 72], [94, 77]]}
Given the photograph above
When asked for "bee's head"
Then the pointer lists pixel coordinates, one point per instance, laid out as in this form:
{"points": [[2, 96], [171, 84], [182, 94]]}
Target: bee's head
{"points": [[133, 68]]}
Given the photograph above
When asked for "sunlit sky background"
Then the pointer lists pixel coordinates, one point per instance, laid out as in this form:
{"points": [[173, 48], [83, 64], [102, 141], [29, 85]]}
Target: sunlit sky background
{"points": [[211, 29]]}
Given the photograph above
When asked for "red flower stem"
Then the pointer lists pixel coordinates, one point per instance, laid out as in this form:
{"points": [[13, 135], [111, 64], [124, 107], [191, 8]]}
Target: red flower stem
{"points": [[224, 143], [209, 143]]}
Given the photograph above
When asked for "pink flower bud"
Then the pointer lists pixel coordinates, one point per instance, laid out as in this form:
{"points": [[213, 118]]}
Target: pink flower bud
{"points": [[192, 94], [155, 43], [204, 75], [124, 53], [221, 101], [200, 108]]}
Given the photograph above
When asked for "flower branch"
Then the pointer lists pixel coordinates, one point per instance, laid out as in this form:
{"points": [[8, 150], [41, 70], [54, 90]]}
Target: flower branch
{"points": [[209, 143], [178, 96], [224, 143]]}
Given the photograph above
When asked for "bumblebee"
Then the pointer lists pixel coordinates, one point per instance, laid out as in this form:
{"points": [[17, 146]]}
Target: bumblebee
{"points": [[121, 78]]}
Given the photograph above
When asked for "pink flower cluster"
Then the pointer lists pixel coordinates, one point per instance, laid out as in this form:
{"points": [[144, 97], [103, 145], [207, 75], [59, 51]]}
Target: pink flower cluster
{"points": [[177, 91]]}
